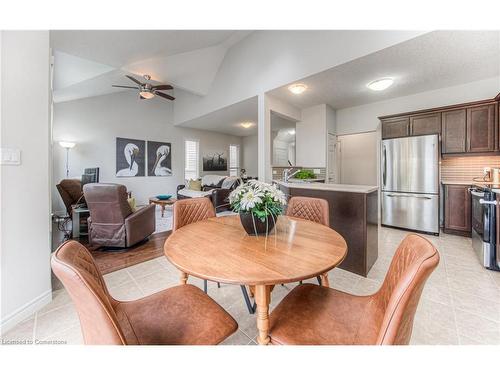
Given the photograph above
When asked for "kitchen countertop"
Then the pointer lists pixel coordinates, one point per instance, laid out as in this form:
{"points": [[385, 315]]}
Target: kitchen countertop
{"points": [[455, 182], [364, 189]]}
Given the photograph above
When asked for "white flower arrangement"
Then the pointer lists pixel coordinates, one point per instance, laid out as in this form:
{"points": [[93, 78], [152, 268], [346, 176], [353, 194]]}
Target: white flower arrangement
{"points": [[259, 198]]}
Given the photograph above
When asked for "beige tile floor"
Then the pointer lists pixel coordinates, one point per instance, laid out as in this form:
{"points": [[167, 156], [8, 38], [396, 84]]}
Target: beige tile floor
{"points": [[460, 303]]}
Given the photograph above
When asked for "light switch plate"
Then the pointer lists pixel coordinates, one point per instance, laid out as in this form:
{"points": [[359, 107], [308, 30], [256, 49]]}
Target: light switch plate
{"points": [[11, 156]]}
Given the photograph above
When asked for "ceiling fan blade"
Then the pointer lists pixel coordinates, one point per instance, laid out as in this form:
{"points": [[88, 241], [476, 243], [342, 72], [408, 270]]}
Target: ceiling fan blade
{"points": [[166, 96], [133, 79], [126, 87], [162, 87]]}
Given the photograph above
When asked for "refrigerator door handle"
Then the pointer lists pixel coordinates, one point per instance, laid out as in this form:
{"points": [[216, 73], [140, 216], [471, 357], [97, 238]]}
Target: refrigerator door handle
{"points": [[384, 171], [408, 196]]}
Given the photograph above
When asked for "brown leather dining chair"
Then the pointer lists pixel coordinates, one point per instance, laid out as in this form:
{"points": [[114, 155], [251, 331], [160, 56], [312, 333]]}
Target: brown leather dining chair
{"points": [[174, 316], [316, 315], [191, 210], [312, 209]]}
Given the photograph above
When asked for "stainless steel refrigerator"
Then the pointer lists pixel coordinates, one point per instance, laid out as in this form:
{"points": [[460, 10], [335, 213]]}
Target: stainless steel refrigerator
{"points": [[410, 183]]}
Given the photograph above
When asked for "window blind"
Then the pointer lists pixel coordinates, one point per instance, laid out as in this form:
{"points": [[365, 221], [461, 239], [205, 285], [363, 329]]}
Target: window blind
{"points": [[234, 160], [191, 159]]}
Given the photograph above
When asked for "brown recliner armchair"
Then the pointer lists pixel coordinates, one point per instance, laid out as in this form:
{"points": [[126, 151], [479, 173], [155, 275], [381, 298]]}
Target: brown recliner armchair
{"points": [[112, 222], [71, 193]]}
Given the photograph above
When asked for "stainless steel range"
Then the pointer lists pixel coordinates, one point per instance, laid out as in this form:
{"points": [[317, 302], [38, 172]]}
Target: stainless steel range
{"points": [[410, 183], [484, 230]]}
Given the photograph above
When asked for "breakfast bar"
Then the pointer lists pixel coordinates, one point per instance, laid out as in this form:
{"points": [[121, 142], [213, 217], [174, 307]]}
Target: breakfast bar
{"points": [[353, 214]]}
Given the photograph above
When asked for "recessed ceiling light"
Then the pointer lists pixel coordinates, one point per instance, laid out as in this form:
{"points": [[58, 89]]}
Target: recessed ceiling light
{"points": [[380, 84], [246, 125], [297, 88]]}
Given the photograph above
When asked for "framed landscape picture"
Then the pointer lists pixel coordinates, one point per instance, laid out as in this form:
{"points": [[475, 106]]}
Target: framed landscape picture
{"points": [[130, 157], [159, 159], [216, 161]]}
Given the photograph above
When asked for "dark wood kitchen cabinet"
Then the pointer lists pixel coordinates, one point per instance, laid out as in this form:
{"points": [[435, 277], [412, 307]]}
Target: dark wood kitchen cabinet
{"points": [[457, 210], [454, 131], [481, 129], [429, 123], [396, 127], [465, 129]]}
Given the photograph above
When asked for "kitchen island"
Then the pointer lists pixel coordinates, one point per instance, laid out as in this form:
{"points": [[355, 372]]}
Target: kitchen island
{"points": [[353, 214]]}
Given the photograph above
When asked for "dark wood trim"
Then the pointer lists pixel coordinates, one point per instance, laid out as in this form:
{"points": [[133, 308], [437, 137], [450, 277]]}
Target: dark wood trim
{"points": [[467, 154], [457, 232], [444, 108]]}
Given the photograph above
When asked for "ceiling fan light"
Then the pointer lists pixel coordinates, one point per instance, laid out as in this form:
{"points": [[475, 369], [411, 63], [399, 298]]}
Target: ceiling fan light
{"points": [[147, 94]]}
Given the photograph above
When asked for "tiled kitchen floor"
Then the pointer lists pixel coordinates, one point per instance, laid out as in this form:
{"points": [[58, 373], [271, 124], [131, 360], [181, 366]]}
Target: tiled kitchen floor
{"points": [[460, 303]]}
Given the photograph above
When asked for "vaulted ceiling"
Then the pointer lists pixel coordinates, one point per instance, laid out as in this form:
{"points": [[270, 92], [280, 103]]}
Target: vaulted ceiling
{"points": [[87, 63]]}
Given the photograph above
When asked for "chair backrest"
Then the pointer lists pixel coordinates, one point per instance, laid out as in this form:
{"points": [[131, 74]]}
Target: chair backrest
{"points": [[312, 209], [398, 298], [73, 264], [191, 210], [107, 203], [71, 192]]}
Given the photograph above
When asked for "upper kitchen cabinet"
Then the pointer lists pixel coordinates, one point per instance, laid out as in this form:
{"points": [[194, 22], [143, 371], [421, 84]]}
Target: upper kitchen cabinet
{"points": [[454, 131], [396, 127], [465, 129], [481, 128], [425, 124]]}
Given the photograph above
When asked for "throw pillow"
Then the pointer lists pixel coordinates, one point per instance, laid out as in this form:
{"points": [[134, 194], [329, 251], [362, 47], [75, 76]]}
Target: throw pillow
{"points": [[194, 185], [132, 204]]}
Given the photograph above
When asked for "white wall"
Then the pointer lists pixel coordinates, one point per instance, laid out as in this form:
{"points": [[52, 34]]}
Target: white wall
{"points": [[311, 137], [364, 118], [268, 59], [25, 207], [358, 155], [94, 123], [250, 155]]}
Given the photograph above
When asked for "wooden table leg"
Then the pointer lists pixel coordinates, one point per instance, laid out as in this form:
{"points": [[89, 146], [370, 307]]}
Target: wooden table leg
{"points": [[184, 278], [324, 280], [262, 299]]}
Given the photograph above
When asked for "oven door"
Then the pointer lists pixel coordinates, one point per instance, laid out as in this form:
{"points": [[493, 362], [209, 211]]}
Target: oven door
{"points": [[478, 213]]}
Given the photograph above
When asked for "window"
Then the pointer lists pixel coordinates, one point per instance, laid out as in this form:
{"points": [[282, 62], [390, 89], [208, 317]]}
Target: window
{"points": [[191, 159], [234, 160]]}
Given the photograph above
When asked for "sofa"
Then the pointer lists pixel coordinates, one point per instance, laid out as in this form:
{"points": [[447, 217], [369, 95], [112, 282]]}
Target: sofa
{"points": [[215, 187], [112, 223]]}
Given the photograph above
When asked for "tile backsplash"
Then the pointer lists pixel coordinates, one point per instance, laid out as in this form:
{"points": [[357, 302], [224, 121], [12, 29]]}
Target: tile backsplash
{"points": [[466, 168], [278, 172]]}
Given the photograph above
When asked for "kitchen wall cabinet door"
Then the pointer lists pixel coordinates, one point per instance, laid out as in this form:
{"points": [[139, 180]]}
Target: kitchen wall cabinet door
{"points": [[396, 127], [454, 131], [425, 124], [457, 210], [481, 128]]}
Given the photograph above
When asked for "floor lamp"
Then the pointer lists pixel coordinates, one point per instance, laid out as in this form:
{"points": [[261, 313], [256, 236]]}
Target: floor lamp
{"points": [[67, 146]]}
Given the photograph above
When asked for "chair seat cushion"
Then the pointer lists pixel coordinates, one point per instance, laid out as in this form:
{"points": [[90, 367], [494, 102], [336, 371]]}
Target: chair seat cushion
{"points": [[193, 193], [316, 315], [182, 315]]}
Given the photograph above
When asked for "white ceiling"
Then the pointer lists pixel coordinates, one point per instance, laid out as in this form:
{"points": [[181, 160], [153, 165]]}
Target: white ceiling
{"points": [[431, 61], [228, 119], [88, 62]]}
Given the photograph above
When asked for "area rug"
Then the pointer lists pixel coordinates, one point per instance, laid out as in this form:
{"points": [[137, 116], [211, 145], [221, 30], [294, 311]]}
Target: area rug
{"points": [[110, 261]]}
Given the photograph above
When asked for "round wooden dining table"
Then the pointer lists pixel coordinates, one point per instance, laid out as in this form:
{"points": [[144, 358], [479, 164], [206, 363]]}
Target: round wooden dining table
{"points": [[219, 249]]}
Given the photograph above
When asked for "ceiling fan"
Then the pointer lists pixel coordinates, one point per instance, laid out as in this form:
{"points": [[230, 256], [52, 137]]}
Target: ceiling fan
{"points": [[146, 90]]}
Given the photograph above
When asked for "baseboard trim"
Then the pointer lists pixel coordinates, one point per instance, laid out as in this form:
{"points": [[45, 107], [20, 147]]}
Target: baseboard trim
{"points": [[25, 311]]}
